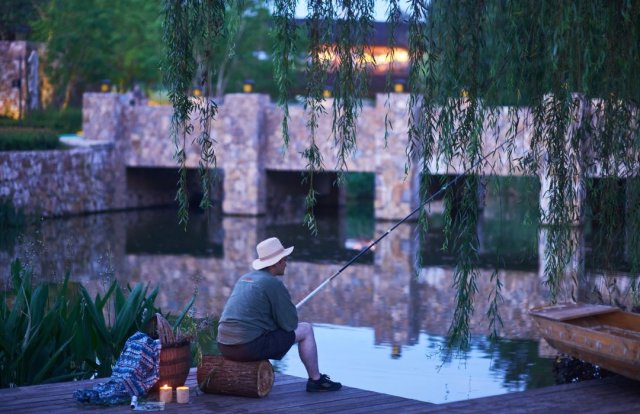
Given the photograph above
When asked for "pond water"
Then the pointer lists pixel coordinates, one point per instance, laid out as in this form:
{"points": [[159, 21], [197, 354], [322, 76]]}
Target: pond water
{"points": [[380, 325]]}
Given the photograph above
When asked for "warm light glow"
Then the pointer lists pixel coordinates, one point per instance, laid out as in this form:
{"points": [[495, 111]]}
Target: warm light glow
{"points": [[247, 87], [104, 87], [382, 58], [182, 395], [197, 92], [166, 394]]}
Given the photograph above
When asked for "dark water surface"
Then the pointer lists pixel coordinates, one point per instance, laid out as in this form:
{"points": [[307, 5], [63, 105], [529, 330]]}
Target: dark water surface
{"points": [[380, 325]]}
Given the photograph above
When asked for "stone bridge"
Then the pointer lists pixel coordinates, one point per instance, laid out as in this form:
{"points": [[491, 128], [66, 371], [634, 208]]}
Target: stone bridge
{"points": [[249, 144]]}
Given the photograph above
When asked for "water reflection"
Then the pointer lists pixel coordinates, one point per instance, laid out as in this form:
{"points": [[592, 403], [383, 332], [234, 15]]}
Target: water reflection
{"points": [[420, 373], [382, 322]]}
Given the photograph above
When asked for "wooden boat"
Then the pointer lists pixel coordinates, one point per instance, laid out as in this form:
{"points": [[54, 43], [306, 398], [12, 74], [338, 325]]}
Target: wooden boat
{"points": [[602, 335]]}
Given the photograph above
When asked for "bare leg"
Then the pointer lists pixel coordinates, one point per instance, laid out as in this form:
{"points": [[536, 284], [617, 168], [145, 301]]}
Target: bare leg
{"points": [[307, 349]]}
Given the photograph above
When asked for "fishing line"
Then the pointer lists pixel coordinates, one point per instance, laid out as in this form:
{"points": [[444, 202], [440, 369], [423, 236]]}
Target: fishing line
{"points": [[415, 210]]}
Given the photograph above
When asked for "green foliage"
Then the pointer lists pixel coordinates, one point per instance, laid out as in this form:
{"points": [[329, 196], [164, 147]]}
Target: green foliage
{"points": [[88, 41], [16, 16], [350, 45], [190, 29], [574, 65], [61, 121], [285, 36], [537, 54], [51, 333], [203, 332], [27, 139], [34, 344], [360, 185]]}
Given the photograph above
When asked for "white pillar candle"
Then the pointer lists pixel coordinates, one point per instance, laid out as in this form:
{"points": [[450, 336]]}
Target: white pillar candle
{"points": [[166, 394], [182, 394]]}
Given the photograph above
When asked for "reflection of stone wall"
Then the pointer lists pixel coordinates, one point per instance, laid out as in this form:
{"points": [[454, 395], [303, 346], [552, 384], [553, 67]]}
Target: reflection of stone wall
{"points": [[91, 248], [386, 295], [521, 291]]}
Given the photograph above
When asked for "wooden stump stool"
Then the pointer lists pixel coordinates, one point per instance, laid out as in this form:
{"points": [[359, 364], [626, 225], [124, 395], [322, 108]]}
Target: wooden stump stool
{"points": [[217, 375]]}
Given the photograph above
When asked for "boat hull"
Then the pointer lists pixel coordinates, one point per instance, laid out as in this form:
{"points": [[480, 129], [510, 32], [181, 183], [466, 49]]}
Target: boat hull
{"points": [[602, 335]]}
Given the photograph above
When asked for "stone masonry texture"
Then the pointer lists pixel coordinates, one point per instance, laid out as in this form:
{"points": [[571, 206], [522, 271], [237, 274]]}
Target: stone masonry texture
{"points": [[122, 134]]}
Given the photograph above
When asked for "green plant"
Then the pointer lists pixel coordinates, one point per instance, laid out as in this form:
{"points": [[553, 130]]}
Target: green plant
{"points": [[106, 336], [572, 64], [202, 333], [51, 333], [28, 139], [61, 121], [35, 344]]}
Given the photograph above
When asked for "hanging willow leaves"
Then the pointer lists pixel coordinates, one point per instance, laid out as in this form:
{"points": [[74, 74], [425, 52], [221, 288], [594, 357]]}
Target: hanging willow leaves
{"points": [[393, 20], [190, 29], [567, 70], [284, 52], [179, 72], [319, 29], [351, 47]]}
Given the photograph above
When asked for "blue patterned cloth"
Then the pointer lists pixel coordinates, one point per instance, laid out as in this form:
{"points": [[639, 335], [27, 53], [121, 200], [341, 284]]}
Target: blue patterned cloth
{"points": [[135, 372]]}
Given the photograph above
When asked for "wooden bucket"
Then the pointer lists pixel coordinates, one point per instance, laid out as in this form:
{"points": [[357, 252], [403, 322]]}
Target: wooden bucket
{"points": [[217, 375]]}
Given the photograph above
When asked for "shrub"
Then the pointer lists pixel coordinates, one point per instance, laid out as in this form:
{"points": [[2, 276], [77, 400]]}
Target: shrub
{"points": [[53, 332], [66, 121], [28, 139]]}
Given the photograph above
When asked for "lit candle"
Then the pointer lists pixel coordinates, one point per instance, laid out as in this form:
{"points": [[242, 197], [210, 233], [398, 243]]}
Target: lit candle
{"points": [[182, 394], [166, 394]]}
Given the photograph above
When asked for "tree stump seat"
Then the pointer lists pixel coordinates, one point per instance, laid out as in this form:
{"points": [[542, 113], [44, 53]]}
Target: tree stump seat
{"points": [[217, 375]]}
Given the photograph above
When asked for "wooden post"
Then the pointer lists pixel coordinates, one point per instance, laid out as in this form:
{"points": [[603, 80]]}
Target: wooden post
{"points": [[217, 375]]}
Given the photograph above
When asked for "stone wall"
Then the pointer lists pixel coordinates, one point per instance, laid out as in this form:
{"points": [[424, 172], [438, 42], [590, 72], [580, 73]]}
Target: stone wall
{"points": [[248, 135], [85, 178], [248, 144], [59, 182]]}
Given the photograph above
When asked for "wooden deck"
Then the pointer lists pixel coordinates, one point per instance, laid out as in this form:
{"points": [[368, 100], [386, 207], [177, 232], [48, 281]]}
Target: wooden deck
{"points": [[611, 395]]}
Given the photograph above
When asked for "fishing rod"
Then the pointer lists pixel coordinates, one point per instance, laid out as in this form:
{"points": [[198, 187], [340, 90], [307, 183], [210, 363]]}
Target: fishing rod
{"points": [[415, 210]]}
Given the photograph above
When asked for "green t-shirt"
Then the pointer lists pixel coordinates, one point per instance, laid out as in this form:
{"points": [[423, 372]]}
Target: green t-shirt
{"points": [[259, 303]]}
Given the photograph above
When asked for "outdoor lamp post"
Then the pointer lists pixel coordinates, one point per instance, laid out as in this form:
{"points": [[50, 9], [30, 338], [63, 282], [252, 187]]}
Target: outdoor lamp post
{"points": [[327, 92], [398, 85], [105, 85], [247, 85]]}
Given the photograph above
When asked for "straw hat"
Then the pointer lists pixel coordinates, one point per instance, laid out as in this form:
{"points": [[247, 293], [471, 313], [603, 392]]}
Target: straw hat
{"points": [[270, 252]]}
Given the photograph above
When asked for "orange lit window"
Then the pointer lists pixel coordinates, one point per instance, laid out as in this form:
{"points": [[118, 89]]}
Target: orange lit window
{"points": [[382, 58]]}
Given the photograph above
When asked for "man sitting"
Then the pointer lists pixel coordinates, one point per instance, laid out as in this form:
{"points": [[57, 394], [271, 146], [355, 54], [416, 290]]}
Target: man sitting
{"points": [[259, 320]]}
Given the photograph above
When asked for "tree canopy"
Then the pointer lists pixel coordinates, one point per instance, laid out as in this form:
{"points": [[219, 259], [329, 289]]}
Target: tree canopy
{"points": [[468, 57]]}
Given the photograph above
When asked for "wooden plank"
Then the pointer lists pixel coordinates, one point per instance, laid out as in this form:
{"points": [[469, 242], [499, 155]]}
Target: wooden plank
{"points": [[328, 402], [568, 311], [614, 394]]}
